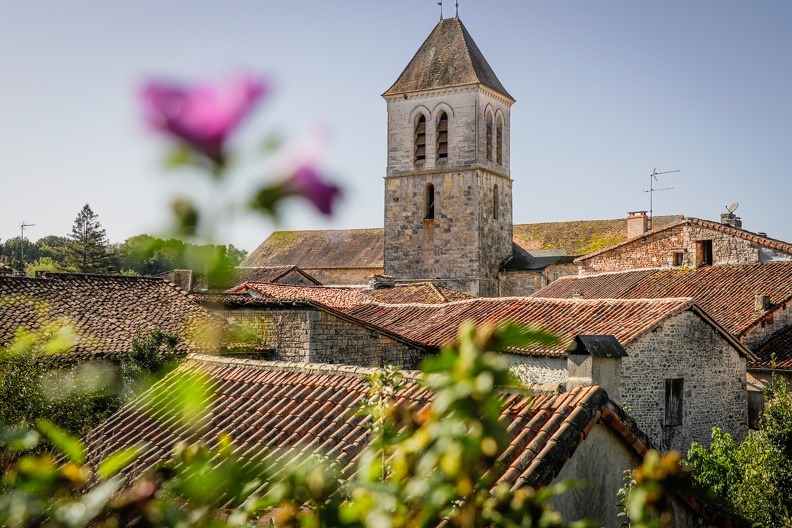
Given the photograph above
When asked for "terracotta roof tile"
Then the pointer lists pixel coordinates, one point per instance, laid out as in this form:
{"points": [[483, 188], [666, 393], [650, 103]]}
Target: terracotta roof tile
{"points": [[777, 349], [346, 296], [436, 325], [726, 293], [108, 311], [313, 408]]}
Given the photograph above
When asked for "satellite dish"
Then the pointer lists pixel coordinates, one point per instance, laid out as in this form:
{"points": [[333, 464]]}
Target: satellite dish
{"points": [[733, 207]]}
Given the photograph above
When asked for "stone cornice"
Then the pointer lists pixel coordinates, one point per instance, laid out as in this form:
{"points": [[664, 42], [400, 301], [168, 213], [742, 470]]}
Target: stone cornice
{"points": [[436, 171]]}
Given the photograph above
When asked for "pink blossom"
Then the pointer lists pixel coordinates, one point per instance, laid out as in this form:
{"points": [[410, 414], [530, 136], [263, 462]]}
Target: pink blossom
{"points": [[307, 182], [203, 116]]}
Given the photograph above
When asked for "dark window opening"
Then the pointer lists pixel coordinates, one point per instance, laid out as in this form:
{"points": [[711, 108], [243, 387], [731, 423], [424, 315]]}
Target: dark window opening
{"points": [[442, 137], [499, 143], [704, 253], [489, 137], [673, 401], [495, 202], [676, 258], [430, 202], [420, 139]]}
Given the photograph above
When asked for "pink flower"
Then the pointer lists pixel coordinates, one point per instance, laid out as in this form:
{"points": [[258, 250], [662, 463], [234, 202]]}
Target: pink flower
{"points": [[202, 116], [307, 182]]}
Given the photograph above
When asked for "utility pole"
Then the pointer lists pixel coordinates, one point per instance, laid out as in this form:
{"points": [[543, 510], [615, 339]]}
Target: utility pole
{"points": [[22, 227]]}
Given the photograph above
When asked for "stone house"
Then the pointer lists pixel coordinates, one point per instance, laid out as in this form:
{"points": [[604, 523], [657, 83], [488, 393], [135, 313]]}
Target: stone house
{"points": [[688, 243], [673, 347], [753, 302], [274, 410]]}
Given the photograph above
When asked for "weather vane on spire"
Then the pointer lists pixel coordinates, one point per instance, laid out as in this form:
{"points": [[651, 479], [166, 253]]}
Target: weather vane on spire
{"points": [[456, 6], [440, 3]]}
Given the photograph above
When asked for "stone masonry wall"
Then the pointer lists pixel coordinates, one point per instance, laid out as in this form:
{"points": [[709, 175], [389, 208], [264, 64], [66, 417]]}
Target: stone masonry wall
{"points": [[540, 371], [319, 337], [781, 318], [524, 283], [465, 107], [714, 389], [335, 340], [465, 241], [656, 250], [286, 331], [455, 244]]}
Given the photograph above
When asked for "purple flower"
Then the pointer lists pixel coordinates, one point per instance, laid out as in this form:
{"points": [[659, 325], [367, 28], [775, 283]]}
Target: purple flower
{"points": [[307, 182], [203, 116]]}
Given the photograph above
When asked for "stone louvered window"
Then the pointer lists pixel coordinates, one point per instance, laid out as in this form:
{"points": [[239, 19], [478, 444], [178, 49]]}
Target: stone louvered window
{"points": [[442, 137], [673, 401], [495, 201], [499, 142], [430, 202], [489, 137], [420, 139]]}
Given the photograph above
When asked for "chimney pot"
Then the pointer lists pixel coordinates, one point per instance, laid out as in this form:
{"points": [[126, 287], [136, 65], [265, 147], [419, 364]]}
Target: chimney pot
{"points": [[637, 223], [731, 219], [378, 282]]}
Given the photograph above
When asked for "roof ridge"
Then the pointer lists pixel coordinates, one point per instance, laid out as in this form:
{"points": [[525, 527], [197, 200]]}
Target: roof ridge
{"points": [[296, 366]]}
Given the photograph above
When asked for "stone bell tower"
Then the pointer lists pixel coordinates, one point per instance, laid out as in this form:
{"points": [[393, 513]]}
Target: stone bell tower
{"points": [[448, 197]]}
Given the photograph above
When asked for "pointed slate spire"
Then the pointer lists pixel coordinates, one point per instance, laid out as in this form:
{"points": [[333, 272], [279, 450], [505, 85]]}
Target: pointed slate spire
{"points": [[448, 57]]}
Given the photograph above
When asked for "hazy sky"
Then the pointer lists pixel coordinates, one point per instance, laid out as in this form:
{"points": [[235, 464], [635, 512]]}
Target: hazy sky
{"points": [[606, 92]]}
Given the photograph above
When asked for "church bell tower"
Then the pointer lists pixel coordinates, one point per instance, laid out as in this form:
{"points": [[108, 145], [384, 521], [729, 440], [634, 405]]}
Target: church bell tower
{"points": [[448, 198]]}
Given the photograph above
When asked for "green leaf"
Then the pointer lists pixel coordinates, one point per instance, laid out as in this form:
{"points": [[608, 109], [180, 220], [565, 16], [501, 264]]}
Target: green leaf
{"points": [[19, 439], [119, 460], [63, 441]]}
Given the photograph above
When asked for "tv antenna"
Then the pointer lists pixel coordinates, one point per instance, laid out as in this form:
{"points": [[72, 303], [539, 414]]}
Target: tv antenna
{"points": [[652, 190], [22, 227]]}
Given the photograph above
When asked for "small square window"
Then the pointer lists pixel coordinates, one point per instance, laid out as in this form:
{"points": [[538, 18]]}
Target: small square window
{"points": [[676, 258], [673, 401]]}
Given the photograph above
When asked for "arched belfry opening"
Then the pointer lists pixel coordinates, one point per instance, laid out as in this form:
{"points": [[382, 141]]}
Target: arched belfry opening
{"points": [[420, 139], [442, 137], [489, 137], [499, 141]]}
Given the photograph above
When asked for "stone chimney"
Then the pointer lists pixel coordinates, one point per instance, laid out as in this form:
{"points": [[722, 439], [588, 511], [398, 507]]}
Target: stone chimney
{"points": [[379, 281], [596, 360], [731, 219], [183, 278], [637, 223], [762, 302]]}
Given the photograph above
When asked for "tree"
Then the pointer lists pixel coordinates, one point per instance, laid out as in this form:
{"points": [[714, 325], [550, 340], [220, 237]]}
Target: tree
{"points": [[42, 264], [54, 247], [11, 252], [87, 248]]}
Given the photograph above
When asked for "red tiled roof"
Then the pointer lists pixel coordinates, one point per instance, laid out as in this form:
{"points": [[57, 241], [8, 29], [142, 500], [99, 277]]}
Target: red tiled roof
{"points": [[107, 311], [755, 238], [726, 293], [273, 408], [348, 296], [436, 325], [776, 351]]}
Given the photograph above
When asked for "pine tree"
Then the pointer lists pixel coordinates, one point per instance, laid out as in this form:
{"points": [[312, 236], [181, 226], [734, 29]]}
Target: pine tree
{"points": [[87, 248]]}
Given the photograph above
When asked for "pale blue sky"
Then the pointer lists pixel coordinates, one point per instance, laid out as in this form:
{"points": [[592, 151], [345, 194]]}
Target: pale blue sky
{"points": [[606, 91]]}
